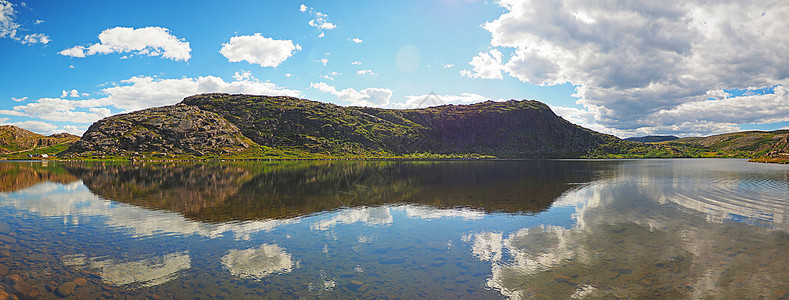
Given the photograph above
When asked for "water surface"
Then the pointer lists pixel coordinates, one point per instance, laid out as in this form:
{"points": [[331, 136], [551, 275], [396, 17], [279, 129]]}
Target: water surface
{"points": [[541, 229]]}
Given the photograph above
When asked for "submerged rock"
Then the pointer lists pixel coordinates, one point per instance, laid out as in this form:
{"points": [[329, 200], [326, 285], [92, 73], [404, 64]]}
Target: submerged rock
{"points": [[66, 289]]}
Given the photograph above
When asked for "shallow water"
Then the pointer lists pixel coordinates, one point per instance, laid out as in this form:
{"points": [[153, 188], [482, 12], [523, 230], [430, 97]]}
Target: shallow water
{"points": [[541, 229]]}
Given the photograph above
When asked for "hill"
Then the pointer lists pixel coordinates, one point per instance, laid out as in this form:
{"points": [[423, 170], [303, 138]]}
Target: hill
{"points": [[652, 138], [768, 146], [248, 126], [502, 129], [168, 130], [15, 140]]}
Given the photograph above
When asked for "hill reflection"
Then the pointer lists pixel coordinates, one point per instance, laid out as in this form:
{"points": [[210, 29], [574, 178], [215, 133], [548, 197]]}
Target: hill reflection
{"points": [[219, 192]]}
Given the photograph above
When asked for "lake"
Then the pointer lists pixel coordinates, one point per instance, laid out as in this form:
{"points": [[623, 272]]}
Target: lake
{"points": [[532, 229]]}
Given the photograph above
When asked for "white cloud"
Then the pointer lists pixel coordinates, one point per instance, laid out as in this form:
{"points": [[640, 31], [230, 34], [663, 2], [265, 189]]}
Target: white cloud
{"points": [[56, 109], [75, 130], [372, 96], [447, 66], [636, 66], [331, 75], [256, 49], [357, 40], [8, 25], [320, 21], [428, 100], [36, 38], [38, 22], [356, 63], [151, 41], [143, 92], [366, 72], [19, 99], [242, 75], [73, 93], [487, 65], [324, 61], [76, 51], [36, 126], [138, 93], [9, 28]]}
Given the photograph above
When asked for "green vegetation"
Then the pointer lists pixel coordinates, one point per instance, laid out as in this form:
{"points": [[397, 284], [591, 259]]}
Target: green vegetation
{"points": [[18, 143]]}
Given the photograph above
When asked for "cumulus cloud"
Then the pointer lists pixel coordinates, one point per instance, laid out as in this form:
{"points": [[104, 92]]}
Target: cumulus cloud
{"points": [[428, 100], [143, 91], [9, 28], [72, 93], [56, 109], [634, 64], [36, 126], [447, 66], [260, 50], [372, 96], [303, 8], [138, 93], [151, 41], [35, 38], [357, 40], [356, 63], [486, 65], [19, 99]]}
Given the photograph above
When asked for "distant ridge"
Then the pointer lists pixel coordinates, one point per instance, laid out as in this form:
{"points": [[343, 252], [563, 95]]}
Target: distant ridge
{"points": [[652, 138]]}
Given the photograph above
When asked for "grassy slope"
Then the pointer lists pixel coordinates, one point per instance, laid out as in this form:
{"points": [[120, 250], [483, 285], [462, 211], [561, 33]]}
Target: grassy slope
{"points": [[747, 144], [17, 143]]}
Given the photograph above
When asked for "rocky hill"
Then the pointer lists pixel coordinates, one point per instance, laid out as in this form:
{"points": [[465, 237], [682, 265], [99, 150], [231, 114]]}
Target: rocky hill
{"points": [[177, 129], [15, 139], [502, 129]]}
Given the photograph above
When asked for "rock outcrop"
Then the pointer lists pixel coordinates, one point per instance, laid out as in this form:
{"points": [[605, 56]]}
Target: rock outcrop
{"points": [[503, 129], [177, 129]]}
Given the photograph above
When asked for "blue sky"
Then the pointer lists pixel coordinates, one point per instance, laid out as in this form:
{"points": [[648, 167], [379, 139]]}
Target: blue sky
{"points": [[626, 69]]}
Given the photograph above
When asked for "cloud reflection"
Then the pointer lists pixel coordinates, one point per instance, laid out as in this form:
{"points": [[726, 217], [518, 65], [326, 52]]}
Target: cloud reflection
{"points": [[370, 216], [145, 272], [256, 263], [74, 200], [651, 233]]}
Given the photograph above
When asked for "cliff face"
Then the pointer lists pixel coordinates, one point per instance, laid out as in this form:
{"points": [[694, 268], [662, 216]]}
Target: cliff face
{"points": [[177, 129], [504, 129]]}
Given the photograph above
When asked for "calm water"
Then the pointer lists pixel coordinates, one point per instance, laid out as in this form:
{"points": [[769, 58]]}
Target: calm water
{"points": [[479, 229]]}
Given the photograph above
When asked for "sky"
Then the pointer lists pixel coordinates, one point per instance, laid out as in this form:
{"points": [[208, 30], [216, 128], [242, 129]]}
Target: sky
{"points": [[627, 68]]}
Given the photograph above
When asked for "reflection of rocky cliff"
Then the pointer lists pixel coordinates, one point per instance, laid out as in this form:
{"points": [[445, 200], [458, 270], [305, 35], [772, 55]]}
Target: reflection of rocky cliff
{"points": [[185, 188], [17, 176], [245, 191]]}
